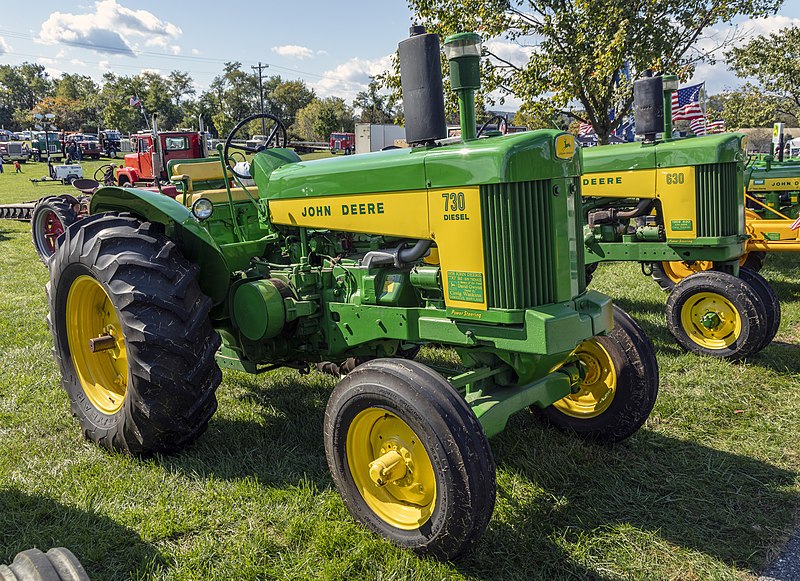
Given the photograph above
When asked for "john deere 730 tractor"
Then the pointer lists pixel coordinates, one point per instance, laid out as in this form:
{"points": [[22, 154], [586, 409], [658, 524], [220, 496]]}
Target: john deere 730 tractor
{"points": [[350, 261], [676, 205]]}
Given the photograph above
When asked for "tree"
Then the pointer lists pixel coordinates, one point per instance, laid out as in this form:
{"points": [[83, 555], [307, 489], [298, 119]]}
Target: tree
{"points": [[747, 106], [571, 56], [181, 85], [374, 107], [774, 61], [21, 87], [115, 102], [286, 98], [234, 95], [317, 120]]}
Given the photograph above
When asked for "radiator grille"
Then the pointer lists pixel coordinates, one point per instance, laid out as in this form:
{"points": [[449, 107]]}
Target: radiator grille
{"points": [[518, 242], [718, 199]]}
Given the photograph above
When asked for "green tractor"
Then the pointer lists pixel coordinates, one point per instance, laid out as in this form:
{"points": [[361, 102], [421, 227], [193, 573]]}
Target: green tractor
{"points": [[348, 264], [676, 206]]}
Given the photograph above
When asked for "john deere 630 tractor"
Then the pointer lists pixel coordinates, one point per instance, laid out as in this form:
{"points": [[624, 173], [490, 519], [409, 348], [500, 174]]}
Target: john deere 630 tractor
{"points": [[676, 206], [353, 260]]}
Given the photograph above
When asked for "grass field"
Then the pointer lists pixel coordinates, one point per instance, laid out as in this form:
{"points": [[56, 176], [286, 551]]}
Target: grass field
{"points": [[708, 489]]}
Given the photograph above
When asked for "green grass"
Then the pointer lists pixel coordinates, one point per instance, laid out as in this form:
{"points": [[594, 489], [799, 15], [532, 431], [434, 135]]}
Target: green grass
{"points": [[709, 489]]}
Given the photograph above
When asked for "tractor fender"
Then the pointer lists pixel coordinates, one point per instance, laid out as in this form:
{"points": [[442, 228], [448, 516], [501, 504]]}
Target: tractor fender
{"points": [[180, 226]]}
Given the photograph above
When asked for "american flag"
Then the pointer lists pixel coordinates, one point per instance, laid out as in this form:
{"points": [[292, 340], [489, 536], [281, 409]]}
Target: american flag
{"points": [[686, 103], [698, 126], [585, 128], [715, 126], [135, 102], [795, 225]]}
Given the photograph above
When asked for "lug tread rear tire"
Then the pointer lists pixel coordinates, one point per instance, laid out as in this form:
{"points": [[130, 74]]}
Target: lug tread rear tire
{"points": [[430, 406], [637, 386], [164, 316], [770, 300], [745, 299]]}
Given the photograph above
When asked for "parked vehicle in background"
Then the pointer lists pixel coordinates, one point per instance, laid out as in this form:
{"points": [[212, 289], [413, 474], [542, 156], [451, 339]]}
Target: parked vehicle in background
{"points": [[345, 142], [38, 149], [110, 142], [377, 136], [88, 144], [146, 162], [13, 148]]}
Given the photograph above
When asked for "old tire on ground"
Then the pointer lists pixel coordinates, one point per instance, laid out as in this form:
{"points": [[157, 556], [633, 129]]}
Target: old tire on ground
{"points": [[438, 497], [770, 300], [58, 564], [151, 388], [715, 313], [51, 217], [620, 388]]}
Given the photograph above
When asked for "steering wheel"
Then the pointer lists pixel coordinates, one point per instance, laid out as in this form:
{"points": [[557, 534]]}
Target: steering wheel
{"points": [[497, 118], [240, 154], [277, 134]]}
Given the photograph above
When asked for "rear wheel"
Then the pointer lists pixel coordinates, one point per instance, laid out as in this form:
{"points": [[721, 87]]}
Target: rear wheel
{"points": [[51, 217], [132, 336], [715, 313], [409, 457], [619, 390]]}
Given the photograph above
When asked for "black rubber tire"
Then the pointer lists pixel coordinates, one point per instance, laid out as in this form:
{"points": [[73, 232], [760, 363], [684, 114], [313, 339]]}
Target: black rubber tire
{"points": [[164, 319], [771, 303], [661, 278], [743, 297], [453, 437], [58, 564], [755, 260], [61, 210], [636, 366]]}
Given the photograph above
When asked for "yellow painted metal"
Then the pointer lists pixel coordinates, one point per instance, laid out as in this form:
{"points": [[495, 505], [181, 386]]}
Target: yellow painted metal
{"points": [[597, 390], [407, 497], [565, 146], [770, 235], [90, 314], [724, 328], [750, 213], [390, 213], [456, 227], [676, 270], [774, 185], [620, 184], [451, 217], [674, 186]]}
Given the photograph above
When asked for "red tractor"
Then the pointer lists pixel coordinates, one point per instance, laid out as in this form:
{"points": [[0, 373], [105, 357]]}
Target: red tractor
{"points": [[147, 162]]}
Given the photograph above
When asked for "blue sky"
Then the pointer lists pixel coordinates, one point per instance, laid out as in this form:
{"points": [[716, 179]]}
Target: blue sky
{"points": [[333, 46]]}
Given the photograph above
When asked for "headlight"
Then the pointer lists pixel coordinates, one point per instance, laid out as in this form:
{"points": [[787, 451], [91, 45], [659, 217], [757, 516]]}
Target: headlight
{"points": [[202, 209]]}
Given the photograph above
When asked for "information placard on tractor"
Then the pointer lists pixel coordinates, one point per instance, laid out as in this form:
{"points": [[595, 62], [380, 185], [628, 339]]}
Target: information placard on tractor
{"points": [[465, 286]]}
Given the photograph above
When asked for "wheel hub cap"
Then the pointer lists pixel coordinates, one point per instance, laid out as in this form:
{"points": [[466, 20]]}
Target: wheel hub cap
{"points": [[711, 320]]}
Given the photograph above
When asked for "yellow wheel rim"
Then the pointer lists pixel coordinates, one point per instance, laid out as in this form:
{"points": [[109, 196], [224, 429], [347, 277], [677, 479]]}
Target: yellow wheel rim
{"points": [[407, 496], [676, 270], [711, 320], [598, 388], [102, 374]]}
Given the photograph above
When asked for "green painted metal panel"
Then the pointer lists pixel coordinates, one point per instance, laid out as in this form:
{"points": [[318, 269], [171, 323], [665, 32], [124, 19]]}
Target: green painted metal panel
{"points": [[180, 225], [620, 157], [720, 204]]}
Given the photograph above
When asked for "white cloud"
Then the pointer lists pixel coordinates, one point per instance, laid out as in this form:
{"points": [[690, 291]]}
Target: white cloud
{"points": [[104, 65], [195, 51], [718, 77], [349, 78], [4, 48], [109, 29], [77, 63], [293, 51], [46, 61], [509, 51]]}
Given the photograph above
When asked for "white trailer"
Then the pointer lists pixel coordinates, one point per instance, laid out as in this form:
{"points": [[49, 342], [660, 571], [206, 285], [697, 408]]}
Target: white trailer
{"points": [[376, 136]]}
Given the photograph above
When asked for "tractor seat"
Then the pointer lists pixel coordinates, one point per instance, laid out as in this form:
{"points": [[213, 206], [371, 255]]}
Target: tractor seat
{"points": [[220, 196], [194, 175]]}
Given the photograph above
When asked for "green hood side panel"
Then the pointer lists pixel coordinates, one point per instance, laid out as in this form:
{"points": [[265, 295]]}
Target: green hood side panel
{"points": [[778, 170], [722, 148], [520, 157], [180, 225]]}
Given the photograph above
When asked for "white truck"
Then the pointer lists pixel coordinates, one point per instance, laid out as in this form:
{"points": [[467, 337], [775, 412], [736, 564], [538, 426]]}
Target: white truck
{"points": [[376, 136]]}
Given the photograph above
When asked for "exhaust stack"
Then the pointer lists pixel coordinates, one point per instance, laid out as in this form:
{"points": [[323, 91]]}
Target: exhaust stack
{"points": [[423, 93]]}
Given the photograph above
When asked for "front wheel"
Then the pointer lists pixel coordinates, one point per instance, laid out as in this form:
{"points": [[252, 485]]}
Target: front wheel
{"points": [[409, 457], [51, 217], [57, 564], [619, 390], [717, 314], [132, 335]]}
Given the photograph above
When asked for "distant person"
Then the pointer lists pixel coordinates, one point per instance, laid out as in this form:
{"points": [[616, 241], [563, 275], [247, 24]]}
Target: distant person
{"points": [[17, 167], [1, 164]]}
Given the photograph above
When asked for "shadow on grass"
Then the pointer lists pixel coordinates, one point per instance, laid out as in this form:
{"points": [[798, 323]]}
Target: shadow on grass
{"points": [[3, 236], [730, 507], [101, 545]]}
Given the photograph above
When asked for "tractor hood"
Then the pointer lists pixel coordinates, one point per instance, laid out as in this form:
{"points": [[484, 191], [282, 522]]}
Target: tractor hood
{"points": [[520, 157], [722, 148]]}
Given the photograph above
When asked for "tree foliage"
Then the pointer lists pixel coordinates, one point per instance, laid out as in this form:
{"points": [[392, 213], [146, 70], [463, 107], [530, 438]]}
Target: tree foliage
{"points": [[570, 55], [373, 106], [774, 61], [317, 120], [747, 106]]}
